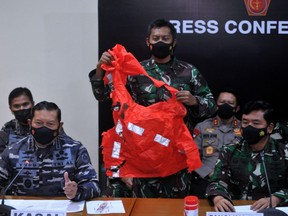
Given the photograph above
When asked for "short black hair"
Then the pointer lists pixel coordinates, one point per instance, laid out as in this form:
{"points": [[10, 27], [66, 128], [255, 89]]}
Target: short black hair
{"points": [[44, 105], [18, 92], [158, 23], [231, 91], [264, 106]]}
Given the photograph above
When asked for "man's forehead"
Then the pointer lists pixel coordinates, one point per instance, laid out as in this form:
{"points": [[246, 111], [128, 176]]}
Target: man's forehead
{"points": [[52, 114], [20, 99], [163, 30], [256, 114]]}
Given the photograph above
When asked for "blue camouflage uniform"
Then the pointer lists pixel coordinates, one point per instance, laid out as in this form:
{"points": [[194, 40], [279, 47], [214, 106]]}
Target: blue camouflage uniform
{"points": [[44, 174], [182, 76], [12, 132], [239, 172]]}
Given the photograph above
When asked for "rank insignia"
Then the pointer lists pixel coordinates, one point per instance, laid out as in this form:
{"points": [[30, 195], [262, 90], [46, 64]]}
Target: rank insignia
{"points": [[210, 130], [237, 131], [209, 150]]}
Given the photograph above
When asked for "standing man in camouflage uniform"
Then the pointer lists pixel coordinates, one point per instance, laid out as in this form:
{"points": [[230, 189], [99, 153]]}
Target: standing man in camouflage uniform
{"points": [[194, 93], [211, 134], [20, 102], [53, 165], [240, 169]]}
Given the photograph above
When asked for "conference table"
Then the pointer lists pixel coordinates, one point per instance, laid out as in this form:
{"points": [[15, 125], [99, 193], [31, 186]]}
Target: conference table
{"points": [[171, 207], [142, 206]]}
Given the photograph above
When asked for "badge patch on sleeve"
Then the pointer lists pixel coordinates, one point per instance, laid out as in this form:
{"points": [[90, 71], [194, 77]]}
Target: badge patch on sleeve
{"points": [[196, 133]]}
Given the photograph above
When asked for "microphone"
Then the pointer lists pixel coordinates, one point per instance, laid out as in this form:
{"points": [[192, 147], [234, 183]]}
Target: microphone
{"points": [[269, 211], [5, 210]]}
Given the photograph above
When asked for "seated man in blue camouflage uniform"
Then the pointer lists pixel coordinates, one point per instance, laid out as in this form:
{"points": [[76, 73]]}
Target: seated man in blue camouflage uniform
{"points": [[194, 93], [211, 134], [20, 102], [240, 170], [53, 165]]}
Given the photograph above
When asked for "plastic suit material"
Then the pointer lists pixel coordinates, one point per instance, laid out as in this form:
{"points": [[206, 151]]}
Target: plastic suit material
{"points": [[150, 141]]}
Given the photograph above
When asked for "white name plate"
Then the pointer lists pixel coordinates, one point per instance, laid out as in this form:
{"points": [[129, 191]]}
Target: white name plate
{"points": [[233, 214], [15, 212]]}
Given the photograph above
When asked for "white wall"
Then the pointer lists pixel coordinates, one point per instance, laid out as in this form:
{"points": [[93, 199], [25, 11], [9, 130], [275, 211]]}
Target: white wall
{"points": [[50, 46]]}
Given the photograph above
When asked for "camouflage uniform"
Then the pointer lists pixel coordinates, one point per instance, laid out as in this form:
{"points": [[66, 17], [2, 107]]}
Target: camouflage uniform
{"points": [[12, 132], [116, 188], [209, 136], [280, 131], [182, 76], [179, 74], [239, 172], [44, 175]]}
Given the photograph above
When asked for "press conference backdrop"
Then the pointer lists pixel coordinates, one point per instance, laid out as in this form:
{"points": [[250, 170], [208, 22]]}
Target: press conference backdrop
{"points": [[239, 43]]}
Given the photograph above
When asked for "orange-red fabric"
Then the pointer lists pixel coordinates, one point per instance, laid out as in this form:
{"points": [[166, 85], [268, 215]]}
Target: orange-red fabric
{"points": [[148, 141]]}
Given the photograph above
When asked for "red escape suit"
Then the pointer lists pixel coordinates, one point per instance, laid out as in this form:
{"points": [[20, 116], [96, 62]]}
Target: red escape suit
{"points": [[148, 141]]}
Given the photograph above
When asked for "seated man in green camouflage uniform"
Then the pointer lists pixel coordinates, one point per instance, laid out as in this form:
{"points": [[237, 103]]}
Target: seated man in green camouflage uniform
{"points": [[240, 169], [193, 92], [53, 165], [20, 102]]}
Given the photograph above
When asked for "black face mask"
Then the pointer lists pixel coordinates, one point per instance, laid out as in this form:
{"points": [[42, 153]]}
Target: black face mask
{"points": [[44, 135], [23, 115], [161, 49], [225, 111], [253, 135]]}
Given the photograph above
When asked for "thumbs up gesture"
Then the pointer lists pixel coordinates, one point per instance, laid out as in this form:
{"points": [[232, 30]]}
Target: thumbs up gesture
{"points": [[70, 188]]}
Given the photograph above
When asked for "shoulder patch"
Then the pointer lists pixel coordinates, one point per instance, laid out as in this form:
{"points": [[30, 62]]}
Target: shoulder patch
{"points": [[196, 133]]}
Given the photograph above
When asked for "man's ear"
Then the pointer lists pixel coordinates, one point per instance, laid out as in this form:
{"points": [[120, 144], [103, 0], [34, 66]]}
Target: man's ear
{"points": [[174, 42], [237, 108], [270, 128], [60, 126], [147, 42], [29, 122], [11, 111]]}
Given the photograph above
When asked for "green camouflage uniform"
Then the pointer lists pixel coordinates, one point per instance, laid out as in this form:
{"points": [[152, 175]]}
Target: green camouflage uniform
{"points": [[239, 172], [210, 135], [179, 74], [280, 131], [182, 76]]}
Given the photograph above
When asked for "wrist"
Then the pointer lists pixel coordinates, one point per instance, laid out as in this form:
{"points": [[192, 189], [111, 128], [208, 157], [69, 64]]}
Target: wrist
{"points": [[216, 199]]}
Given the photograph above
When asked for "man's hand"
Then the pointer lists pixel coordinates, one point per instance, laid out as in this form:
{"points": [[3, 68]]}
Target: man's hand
{"points": [[106, 58], [128, 182], [186, 98], [264, 203], [70, 188], [222, 205]]}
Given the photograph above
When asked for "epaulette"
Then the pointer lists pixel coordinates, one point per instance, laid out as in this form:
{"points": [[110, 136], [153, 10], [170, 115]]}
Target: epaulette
{"points": [[10, 124], [235, 123], [215, 121]]}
